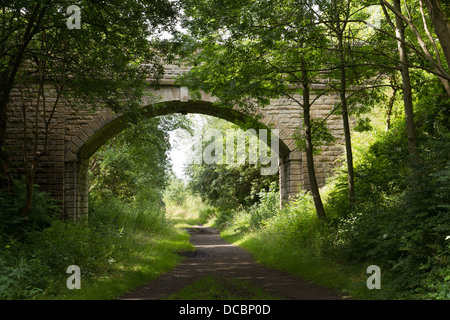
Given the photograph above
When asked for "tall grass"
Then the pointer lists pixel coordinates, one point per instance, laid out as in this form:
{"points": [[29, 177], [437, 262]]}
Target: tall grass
{"points": [[295, 241], [118, 248], [398, 221], [191, 211], [290, 240]]}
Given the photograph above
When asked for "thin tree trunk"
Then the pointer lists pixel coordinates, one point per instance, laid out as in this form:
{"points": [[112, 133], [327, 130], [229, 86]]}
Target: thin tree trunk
{"points": [[444, 35], [309, 149], [26, 163], [29, 195], [441, 26], [345, 120], [407, 89], [391, 105], [36, 155], [442, 29], [7, 79]]}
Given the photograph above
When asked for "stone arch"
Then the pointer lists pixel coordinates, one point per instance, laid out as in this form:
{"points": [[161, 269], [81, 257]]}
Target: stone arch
{"points": [[92, 131]]}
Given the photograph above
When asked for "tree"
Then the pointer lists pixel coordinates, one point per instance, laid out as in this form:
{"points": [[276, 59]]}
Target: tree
{"points": [[35, 141], [423, 56], [103, 60], [404, 59], [232, 184], [413, 37], [335, 14], [100, 65], [441, 28], [22, 25], [407, 89], [408, 27], [176, 192], [250, 52], [441, 25], [134, 164]]}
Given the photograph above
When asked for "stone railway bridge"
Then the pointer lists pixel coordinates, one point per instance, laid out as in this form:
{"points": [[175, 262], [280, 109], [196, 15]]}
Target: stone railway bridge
{"points": [[75, 135]]}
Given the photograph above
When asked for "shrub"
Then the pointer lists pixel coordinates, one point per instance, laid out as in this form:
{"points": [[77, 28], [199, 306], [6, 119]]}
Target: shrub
{"points": [[255, 216], [223, 218], [267, 207], [401, 217], [298, 224], [43, 211], [206, 213], [36, 263]]}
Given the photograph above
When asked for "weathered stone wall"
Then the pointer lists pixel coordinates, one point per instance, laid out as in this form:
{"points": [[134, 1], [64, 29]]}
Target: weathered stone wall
{"points": [[50, 169], [77, 134]]}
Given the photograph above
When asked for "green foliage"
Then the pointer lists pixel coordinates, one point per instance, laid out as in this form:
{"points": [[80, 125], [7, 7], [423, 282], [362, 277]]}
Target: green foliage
{"points": [[176, 191], [75, 57], [134, 164], [223, 218], [399, 219], [256, 215], [256, 63], [206, 214], [321, 136], [292, 240], [184, 207], [125, 203], [251, 217], [12, 225], [250, 53], [229, 186], [296, 221], [36, 266]]}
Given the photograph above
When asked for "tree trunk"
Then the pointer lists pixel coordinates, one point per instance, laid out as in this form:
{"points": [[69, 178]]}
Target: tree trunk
{"points": [[309, 149], [389, 109], [441, 26], [344, 107], [407, 90], [7, 79], [29, 197], [6, 84]]}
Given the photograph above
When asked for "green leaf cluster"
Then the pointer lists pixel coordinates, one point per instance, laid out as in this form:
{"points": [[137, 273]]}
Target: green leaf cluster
{"points": [[134, 164], [228, 186]]}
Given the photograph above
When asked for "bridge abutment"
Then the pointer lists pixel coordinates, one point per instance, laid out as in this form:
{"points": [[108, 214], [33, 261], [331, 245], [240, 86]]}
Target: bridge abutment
{"points": [[290, 176], [76, 189]]}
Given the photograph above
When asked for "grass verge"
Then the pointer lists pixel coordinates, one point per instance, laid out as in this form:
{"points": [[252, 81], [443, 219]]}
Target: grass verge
{"points": [[271, 251], [145, 257]]}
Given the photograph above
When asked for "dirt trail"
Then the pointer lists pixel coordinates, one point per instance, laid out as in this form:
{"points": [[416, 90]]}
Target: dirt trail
{"points": [[217, 257]]}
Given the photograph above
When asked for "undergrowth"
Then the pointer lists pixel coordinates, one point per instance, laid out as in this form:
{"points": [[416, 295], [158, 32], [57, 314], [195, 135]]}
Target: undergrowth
{"points": [[132, 242], [399, 220]]}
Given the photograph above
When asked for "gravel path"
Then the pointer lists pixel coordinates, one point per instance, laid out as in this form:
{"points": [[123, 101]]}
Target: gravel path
{"points": [[215, 256]]}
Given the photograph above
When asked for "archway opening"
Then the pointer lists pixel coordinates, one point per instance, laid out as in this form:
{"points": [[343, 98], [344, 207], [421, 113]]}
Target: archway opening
{"points": [[117, 125]]}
